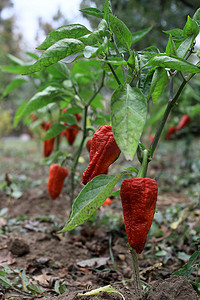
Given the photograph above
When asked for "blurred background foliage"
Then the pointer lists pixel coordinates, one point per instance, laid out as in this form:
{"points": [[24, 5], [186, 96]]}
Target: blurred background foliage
{"points": [[140, 14]]}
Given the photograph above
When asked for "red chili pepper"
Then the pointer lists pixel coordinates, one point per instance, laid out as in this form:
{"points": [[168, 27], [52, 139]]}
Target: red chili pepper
{"points": [[72, 130], [88, 145], [107, 202], [138, 197], [71, 133], [33, 117], [152, 138], [78, 117], [48, 146], [57, 175], [103, 152], [183, 122], [46, 125], [64, 110], [170, 131]]}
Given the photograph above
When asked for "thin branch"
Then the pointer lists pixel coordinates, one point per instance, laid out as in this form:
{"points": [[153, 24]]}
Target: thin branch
{"points": [[114, 74], [170, 105], [84, 135], [98, 90]]}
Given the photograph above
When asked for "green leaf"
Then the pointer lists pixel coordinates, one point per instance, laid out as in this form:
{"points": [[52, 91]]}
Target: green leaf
{"points": [[188, 268], [131, 60], [159, 82], [185, 46], [101, 29], [16, 69], [39, 100], [33, 55], [60, 288], [128, 117], [5, 282], [68, 118], [54, 131], [107, 10], [175, 32], [72, 31], [90, 51], [90, 199], [138, 35], [73, 110], [116, 193], [55, 53], [193, 110], [115, 61], [96, 36], [196, 16], [15, 83], [15, 60], [171, 47], [35, 289], [178, 64], [59, 70], [191, 28], [93, 12], [121, 31], [135, 170]]}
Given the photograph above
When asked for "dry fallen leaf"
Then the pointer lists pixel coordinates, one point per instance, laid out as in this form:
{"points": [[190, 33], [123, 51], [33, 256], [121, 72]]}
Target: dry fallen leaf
{"points": [[96, 262]]}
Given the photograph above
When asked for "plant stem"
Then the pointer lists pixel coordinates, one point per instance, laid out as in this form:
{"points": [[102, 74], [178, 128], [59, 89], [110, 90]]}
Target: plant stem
{"points": [[78, 153], [143, 168], [119, 55], [84, 135], [98, 90], [136, 275], [114, 74], [171, 103]]}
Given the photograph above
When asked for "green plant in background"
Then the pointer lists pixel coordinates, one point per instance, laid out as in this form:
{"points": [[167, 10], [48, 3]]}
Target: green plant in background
{"points": [[5, 122], [107, 57]]}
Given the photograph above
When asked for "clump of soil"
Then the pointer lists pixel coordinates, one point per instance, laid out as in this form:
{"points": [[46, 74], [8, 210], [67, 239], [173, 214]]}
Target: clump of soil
{"points": [[17, 245], [175, 288]]}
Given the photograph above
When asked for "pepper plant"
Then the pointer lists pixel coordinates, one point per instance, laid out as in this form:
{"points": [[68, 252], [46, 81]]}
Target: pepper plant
{"points": [[140, 79]]}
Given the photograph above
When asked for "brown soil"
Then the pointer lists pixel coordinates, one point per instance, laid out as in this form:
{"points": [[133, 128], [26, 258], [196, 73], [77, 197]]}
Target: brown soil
{"points": [[34, 245]]}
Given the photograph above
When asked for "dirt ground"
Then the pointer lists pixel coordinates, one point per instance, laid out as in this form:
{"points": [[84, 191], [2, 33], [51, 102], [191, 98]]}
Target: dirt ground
{"points": [[92, 256]]}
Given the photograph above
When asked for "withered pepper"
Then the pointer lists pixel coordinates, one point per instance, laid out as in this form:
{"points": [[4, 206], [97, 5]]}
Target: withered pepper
{"points": [[88, 145], [57, 175], [48, 146], [103, 152], [138, 196], [71, 133]]}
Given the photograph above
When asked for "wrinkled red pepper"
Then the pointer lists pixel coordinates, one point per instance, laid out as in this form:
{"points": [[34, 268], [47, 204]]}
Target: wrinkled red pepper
{"points": [[183, 122], [88, 145], [48, 146], [71, 133], [138, 196], [73, 129], [57, 175], [46, 125], [103, 152]]}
